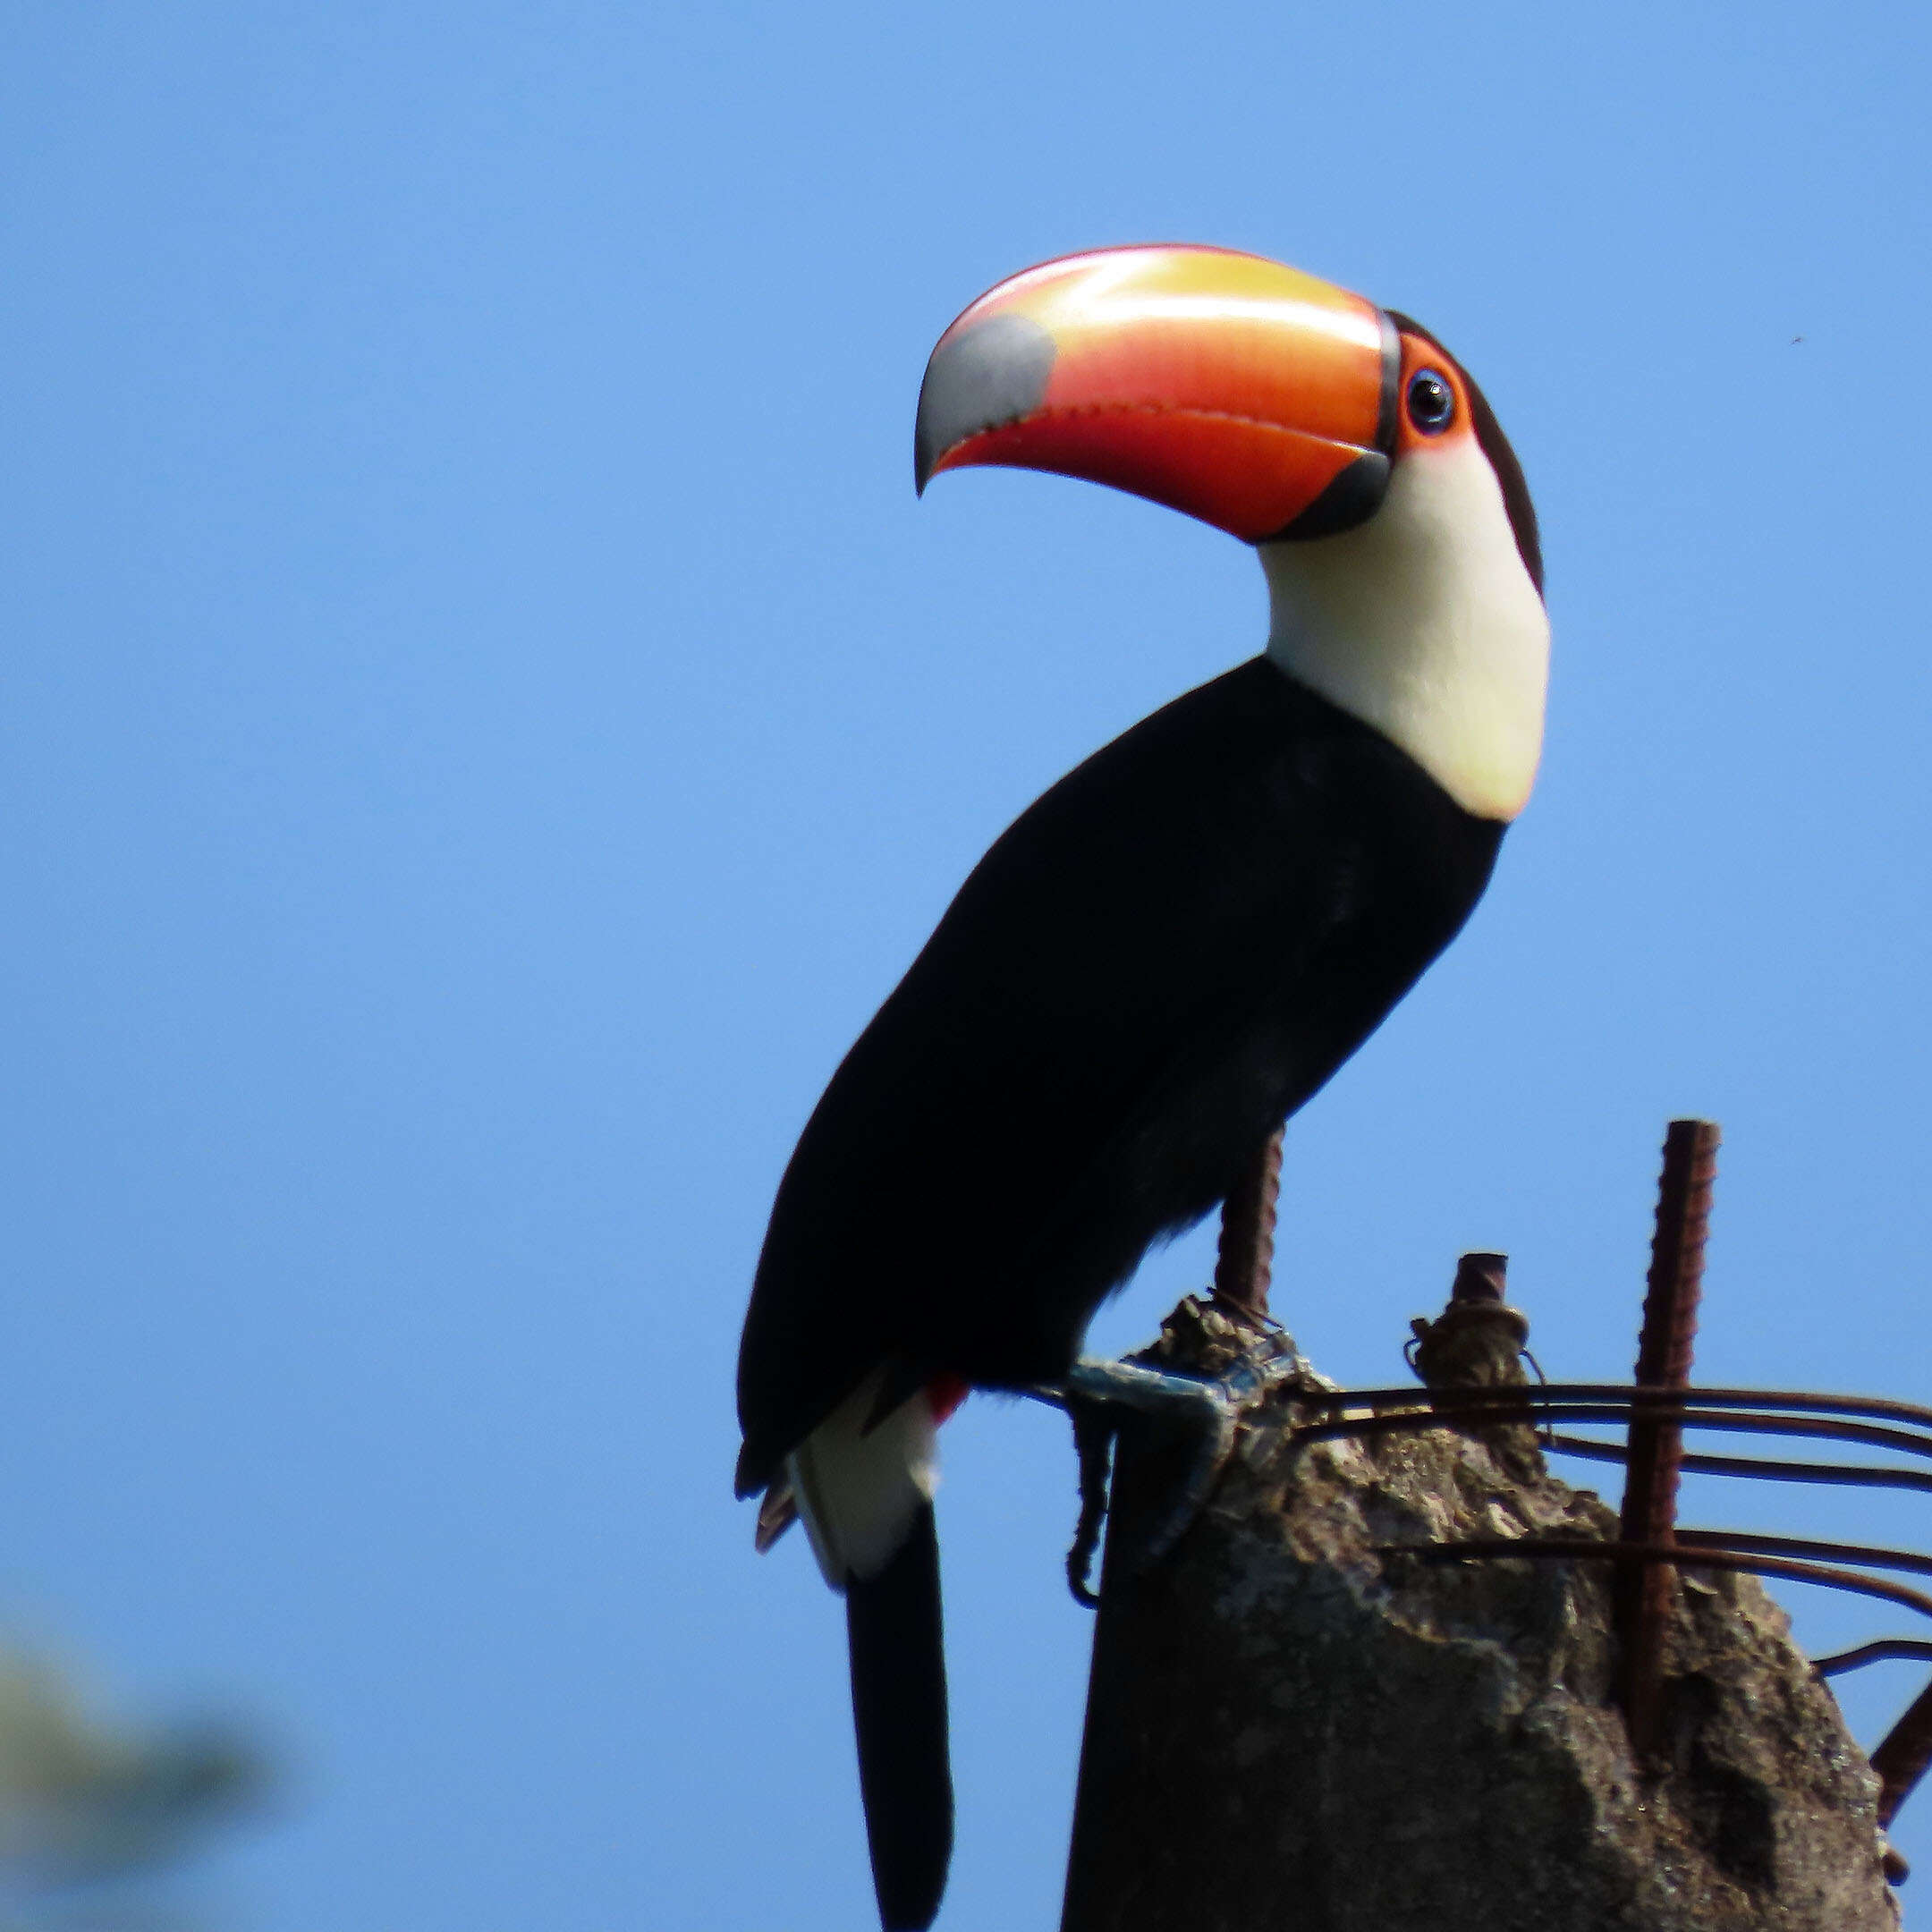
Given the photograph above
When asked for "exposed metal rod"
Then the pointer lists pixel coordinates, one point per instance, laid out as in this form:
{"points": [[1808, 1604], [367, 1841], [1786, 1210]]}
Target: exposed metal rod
{"points": [[1244, 1263], [1879, 1408], [1880, 1650], [1643, 1593], [1807, 1546], [1560, 1549], [1532, 1405], [1763, 1469], [1903, 1755]]}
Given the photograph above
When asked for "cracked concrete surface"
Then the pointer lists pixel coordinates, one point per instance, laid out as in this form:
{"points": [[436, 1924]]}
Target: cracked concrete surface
{"points": [[1287, 1730]]}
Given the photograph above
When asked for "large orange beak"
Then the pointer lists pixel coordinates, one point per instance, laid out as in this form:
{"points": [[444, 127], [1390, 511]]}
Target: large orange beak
{"points": [[1244, 393]]}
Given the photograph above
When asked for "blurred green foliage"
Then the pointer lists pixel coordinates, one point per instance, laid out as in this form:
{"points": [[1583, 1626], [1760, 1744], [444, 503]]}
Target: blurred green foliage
{"points": [[94, 1811]]}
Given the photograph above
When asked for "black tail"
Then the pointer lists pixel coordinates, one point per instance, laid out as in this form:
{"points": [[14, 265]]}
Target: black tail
{"points": [[899, 1705]]}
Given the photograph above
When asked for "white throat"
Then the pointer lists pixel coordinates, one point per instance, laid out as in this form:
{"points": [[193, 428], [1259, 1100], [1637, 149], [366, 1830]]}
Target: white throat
{"points": [[1423, 622]]}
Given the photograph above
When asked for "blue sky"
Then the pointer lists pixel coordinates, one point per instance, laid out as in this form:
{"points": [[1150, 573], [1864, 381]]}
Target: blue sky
{"points": [[484, 720]]}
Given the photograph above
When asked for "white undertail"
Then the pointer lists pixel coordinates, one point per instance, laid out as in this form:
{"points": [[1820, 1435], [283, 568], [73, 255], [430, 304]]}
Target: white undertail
{"points": [[858, 1491]]}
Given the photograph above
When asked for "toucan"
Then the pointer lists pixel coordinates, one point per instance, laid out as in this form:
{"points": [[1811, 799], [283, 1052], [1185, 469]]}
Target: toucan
{"points": [[1176, 945]]}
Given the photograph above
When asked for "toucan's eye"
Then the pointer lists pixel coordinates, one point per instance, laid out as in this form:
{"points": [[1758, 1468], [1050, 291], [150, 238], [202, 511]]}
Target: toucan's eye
{"points": [[1431, 401]]}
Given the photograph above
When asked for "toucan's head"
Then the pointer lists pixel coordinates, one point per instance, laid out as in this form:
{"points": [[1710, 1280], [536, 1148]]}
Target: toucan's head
{"points": [[1341, 440]]}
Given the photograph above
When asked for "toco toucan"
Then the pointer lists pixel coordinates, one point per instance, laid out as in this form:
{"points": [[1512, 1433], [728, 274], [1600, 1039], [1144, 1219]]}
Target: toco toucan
{"points": [[1177, 944]]}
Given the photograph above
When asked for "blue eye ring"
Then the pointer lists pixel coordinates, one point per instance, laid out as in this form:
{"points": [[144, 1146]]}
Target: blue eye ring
{"points": [[1431, 401]]}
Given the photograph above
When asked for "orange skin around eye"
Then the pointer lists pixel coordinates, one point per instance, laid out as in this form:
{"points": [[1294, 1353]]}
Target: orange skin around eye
{"points": [[1415, 356]]}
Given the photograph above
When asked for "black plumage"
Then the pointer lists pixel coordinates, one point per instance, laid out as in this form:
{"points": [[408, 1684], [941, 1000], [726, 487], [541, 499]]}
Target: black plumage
{"points": [[1173, 949], [899, 1710], [1166, 954]]}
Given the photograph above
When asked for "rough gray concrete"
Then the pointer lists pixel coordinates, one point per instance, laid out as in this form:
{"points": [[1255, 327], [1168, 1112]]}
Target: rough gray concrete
{"points": [[1289, 1731]]}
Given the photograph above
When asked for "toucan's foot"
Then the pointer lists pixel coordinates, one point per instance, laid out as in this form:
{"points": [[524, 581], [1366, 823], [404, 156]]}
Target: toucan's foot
{"points": [[1196, 1410]]}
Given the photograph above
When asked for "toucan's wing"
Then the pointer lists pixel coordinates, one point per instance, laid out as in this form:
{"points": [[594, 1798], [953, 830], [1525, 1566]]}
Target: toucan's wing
{"points": [[1143, 906]]}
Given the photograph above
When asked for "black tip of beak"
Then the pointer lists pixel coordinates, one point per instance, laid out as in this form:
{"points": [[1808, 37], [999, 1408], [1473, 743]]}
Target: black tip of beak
{"points": [[992, 373]]}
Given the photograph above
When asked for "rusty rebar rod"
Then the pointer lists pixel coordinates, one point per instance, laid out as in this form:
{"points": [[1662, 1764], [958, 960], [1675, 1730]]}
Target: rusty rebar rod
{"points": [[1244, 1266], [1665, 1557], [1531, 1405], [1614, 1401], [1758, 1469], [1880, 1650], [1477, 1341], [1642, 1593], [1883, 1408], [1750, 1542], [1903, 1755]]}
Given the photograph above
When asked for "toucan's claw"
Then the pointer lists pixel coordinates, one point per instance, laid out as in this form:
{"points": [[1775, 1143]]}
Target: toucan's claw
{"points": [[1095, 1393]]}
